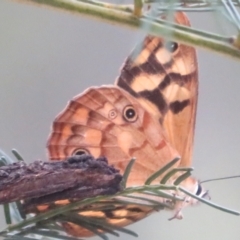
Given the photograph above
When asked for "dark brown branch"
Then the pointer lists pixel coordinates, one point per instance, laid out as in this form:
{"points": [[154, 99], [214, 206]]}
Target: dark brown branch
{"points": [[40, 182]]}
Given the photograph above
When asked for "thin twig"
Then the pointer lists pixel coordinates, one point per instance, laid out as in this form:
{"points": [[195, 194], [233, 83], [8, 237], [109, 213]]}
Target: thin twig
{"points": [[189, 36]]}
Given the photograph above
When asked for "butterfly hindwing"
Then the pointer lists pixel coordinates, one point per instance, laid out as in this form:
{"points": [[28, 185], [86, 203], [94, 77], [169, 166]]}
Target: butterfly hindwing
{"points": [[107, 121]]}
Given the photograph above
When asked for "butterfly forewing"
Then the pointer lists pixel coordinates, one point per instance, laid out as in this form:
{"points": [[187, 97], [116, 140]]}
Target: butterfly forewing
{"points": [[163, 77]]}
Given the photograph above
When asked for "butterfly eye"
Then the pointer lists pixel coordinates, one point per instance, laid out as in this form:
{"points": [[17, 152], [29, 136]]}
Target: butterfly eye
{"points": [[172, 46], [199, 190], [130, 114], [80, 151]]}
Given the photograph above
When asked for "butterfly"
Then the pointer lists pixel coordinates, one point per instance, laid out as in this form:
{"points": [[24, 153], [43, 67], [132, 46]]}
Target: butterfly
{"points": [[149, 114]]}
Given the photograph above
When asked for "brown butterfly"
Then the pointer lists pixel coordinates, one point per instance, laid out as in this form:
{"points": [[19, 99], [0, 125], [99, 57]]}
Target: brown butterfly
{"points": [[149, 114]]}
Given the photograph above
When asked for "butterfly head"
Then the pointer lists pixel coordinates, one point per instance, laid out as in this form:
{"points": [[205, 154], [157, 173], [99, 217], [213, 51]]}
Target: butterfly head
{"points": [[194, 187]]}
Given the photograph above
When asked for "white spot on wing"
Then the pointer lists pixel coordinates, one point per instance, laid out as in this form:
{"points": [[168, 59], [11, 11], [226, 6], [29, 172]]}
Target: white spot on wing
{"points": [[174, 92], [146, 81]]}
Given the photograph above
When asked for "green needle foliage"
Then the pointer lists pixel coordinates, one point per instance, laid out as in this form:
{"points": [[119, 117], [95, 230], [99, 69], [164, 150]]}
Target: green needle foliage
{"points": [[45, 224]]}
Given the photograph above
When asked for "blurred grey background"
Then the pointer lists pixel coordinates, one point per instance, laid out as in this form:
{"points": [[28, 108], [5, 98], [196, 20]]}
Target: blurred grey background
{"points": [[48, 56]]}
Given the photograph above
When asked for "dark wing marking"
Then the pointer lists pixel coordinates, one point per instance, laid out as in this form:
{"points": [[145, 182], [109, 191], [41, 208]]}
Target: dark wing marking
{"points": [[164, 79]]}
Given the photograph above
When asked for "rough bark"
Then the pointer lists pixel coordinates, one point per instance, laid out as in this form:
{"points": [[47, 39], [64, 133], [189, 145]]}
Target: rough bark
{"points": [[41, 182]]}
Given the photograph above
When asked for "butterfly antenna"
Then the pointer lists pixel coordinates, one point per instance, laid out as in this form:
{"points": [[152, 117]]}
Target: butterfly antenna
{"points": [[218, 179]]}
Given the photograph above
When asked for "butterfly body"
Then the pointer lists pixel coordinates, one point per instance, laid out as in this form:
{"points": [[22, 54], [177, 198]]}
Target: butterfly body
{"points": [[149, 114]]}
